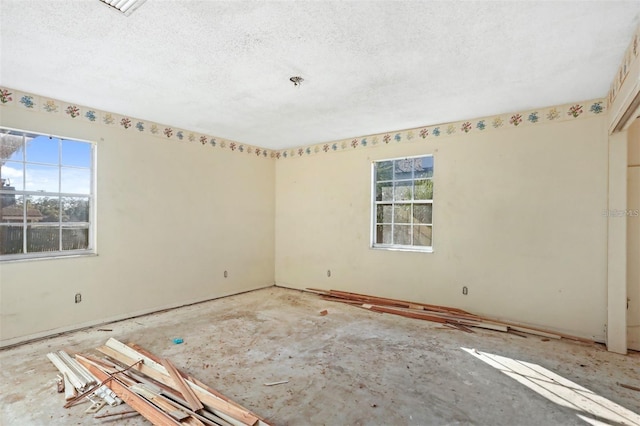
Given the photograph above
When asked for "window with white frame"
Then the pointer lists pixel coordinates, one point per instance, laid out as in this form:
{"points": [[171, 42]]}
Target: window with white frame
{"points": [[47, 195], [403, 203]]}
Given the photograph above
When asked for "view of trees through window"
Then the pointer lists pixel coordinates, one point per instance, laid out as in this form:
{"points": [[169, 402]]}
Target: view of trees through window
{"points": [[403, 204], [46, 194]]}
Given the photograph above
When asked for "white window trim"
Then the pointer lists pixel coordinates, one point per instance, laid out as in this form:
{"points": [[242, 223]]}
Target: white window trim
{"points": [[394, 247], [92, 243]]}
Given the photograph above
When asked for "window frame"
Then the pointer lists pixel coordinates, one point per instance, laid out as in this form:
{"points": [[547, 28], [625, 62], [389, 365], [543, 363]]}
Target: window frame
{"points": [[375, 203], [92, 214]]}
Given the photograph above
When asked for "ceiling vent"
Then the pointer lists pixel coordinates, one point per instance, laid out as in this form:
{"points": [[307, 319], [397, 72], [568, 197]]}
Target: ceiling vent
{"points": [[123, 6]]}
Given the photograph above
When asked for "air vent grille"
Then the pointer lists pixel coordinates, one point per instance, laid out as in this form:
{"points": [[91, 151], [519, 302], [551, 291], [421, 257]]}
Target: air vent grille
{"points": [[123, 6]]}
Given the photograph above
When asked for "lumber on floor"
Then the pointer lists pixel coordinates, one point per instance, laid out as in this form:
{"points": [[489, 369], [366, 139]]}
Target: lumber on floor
{"points": [[365, 298], [182, 386], [77, 382], [220, 408], [172, 405], [171, 408], [436, 313], [141, 405], [77, 368], [152, 367], [69, 390], [192, 379], [157, 389]]}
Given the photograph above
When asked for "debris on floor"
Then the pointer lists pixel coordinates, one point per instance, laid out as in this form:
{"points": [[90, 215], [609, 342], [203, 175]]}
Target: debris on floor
{"points": [[60, 384], [150, 385], [635, 388], [276, 383], [448, 317], [121, 413]]}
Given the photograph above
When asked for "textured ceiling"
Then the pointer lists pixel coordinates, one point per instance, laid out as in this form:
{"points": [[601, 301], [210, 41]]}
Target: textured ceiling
{"points": [[223, 68]]}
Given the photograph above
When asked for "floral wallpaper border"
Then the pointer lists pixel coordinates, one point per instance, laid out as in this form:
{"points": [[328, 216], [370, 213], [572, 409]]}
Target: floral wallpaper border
{"points": [[533, 117], [630, 56], [31, 102], [573, 111]]}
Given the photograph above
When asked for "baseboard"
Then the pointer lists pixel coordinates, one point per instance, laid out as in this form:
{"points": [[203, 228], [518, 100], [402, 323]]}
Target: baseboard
{"points": [[21, 340]]}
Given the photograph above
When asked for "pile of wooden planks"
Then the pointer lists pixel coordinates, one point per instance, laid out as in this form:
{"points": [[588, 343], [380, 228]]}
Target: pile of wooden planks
{"points": [[75, 378], [450, 317], [161, 393]]}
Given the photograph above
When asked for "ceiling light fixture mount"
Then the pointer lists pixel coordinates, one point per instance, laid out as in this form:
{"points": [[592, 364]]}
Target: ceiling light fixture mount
{"points": [[297, 80]]}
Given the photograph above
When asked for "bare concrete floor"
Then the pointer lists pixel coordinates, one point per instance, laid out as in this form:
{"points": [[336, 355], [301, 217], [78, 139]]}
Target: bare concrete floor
{"points": [[350, 367]]}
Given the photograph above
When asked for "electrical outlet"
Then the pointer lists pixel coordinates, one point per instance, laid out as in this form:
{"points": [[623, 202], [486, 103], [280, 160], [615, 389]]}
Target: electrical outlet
{"points": [[465, 290], [226, 274], [329, 273], [78, 297]]}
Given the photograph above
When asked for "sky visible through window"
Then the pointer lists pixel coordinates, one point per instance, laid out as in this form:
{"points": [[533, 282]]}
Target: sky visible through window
{"points": [[45, 176]]}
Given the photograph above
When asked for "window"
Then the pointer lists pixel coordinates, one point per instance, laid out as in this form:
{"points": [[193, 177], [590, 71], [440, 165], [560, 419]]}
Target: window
{"points": [[403, 203], [47, 198]]}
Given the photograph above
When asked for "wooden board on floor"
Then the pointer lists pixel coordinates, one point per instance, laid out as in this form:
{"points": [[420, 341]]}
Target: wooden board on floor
{"points": [[182, 386], [157, 371], [141, 405]]}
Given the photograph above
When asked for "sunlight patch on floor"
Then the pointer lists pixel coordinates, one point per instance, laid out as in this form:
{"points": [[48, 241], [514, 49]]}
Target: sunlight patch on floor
{"points": [[592, 408]]}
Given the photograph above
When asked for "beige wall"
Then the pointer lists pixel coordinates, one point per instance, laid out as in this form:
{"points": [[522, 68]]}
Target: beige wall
{"points": [[518, 219], [172, 217]]}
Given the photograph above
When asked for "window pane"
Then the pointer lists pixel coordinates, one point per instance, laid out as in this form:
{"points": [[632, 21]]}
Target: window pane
{"points": [[403, 169], [384, 191], [42, 178], [76, 181], [11, 239], [75, 238], [402, 213], [403, 190], [76, 153], [12, 210], [422, 235], [402, 235], [422, 213], [11, 147], [75, 209], [43, 149], [423, 189], [43, 209], [384, 213], [42, 238], [11, 176], [423, 167], [383, 234], [384, 170]]}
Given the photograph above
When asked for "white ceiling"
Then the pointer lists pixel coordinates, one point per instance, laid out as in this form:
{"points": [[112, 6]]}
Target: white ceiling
{"points": [[222, 67]]}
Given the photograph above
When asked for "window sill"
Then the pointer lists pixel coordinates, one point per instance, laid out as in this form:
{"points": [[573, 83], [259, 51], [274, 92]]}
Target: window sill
{"points": [[411, 249], [11, 258]]}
